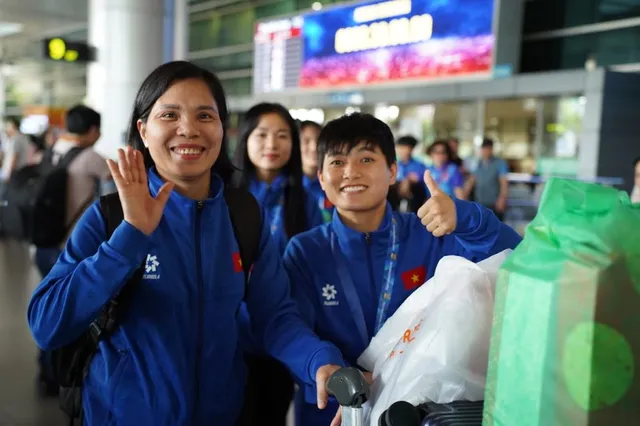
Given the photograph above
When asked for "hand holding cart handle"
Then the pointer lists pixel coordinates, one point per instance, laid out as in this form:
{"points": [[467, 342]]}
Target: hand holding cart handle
{"points": [[351, 389]]}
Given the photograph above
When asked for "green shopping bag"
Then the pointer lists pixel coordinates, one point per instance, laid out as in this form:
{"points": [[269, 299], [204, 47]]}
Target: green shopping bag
{"points": [[565, 344]]}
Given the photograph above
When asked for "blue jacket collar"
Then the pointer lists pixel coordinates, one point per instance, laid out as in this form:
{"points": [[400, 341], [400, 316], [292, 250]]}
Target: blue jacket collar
{"points": [[268, 194], [350, 239], [307, 181], [155, 182]]}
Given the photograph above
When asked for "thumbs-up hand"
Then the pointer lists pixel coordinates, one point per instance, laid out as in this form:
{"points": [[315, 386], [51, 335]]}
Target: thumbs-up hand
{"points": [[438, 214]]}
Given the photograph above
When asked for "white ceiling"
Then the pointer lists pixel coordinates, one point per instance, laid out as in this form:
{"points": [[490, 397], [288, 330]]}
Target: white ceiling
{"points": [[40, 19]]}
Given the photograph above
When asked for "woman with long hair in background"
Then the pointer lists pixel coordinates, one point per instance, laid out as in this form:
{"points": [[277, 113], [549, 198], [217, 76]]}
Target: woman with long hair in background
{"points": [[268, 154]]}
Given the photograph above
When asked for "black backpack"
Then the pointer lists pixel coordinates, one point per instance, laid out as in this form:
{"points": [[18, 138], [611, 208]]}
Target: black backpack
{"points": [[71, 362], [34, 204]]}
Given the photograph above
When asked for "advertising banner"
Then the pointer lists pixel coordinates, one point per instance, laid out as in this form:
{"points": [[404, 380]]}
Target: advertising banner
{"points": [[384, 41]]}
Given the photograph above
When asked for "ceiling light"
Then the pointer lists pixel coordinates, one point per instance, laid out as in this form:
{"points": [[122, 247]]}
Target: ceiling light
{"points": [[9, 28]]}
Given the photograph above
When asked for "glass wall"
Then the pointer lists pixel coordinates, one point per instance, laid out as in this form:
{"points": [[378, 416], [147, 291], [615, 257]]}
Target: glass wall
{"points": [[546, 15], [511, 123], [558, 146], [614, 47], [534, 135], [235, 24], [233, 61]]}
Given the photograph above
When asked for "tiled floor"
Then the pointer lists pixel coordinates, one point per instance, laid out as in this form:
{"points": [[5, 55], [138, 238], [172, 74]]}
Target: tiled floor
{"points": [[19, 401]]}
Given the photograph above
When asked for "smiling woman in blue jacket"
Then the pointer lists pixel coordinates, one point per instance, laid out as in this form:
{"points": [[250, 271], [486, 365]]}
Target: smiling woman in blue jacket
{"points": [[353, 273], [175, 358], [268, 154]]}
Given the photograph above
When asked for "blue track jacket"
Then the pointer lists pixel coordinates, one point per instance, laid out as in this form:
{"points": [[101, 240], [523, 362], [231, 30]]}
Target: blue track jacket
{"points": [[314, 189], [175, 360], [318, 288], [271, 197], [411, 167]]}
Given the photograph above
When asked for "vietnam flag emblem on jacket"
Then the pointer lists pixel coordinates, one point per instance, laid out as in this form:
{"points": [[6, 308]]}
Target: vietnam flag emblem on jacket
{"points": [[414, 278]]}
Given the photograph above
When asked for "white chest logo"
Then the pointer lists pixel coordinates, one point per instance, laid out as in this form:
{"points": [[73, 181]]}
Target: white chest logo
{"points": [[329, 293], [151, 268]]}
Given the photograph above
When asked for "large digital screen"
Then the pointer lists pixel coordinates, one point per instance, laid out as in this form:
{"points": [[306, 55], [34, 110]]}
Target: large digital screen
{"points": [[376, 42], [397, 40]]}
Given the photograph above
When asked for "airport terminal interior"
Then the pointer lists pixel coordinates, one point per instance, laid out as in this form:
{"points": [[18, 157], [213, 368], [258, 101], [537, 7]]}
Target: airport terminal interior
{"points": [[552, 87]]}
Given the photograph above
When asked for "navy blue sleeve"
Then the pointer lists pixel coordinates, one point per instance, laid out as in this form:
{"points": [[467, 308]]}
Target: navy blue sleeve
{"points": [[276, 321], [88, 274], [302, 292], [300, 280], [314, 214], [479, 233]]}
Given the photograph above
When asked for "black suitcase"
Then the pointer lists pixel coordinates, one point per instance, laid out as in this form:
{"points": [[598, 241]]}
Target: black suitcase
{"points": [[459, 413]]}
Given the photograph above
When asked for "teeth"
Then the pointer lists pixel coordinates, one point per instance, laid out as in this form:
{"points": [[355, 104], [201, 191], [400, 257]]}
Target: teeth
{"points": [[188, 151], [356, 188]]}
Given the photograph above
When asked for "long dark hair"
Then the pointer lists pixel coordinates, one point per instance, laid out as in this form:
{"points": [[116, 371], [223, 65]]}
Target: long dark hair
{"points": [[155, 85], [295, 219]]}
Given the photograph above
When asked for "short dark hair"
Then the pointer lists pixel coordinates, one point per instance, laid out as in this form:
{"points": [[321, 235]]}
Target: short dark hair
{"points": [[295, 218], [13, 120], [80, 119], [345, 133], [636, 161], [444, 144], [487, 143], [156, 84], [407, 141], [308, 123]]}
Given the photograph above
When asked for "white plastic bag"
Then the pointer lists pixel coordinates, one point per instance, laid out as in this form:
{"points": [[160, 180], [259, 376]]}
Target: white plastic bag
{"points": [[435, 347]]}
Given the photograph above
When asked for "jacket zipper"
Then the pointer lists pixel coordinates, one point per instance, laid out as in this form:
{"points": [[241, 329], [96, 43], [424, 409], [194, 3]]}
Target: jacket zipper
{"points": [[199, 344], [367, 239]]}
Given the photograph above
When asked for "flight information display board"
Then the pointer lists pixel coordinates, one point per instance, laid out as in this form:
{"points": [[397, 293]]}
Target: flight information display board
{"points": [[277, 55], [375, 42]]}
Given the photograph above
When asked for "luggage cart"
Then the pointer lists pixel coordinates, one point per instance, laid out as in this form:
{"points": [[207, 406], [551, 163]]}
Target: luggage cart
{"points": [[350, 388]]}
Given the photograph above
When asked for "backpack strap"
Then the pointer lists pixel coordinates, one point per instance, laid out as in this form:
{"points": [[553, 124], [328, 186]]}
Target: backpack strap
{"points": [[246, 219], [112, 213], [112, 314], [69, 156]]}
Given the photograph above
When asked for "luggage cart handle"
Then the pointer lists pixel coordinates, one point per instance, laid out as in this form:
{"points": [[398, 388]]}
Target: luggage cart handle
{"points": [[351, 390], [349, 386]]}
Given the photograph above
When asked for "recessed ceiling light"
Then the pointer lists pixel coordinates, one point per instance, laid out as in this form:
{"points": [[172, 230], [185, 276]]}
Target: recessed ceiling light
{"points": [[9, 28]]}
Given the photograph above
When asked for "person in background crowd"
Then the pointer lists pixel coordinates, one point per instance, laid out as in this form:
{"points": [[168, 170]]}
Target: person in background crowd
{"points": [[489, 180], [408, 167], [45, 142], [635, 193], [174, 359], [269, 155], [85, 173], [309, 131], [454, 146], [15, 150], [348, 276], [445, 173], [409, 192]]}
